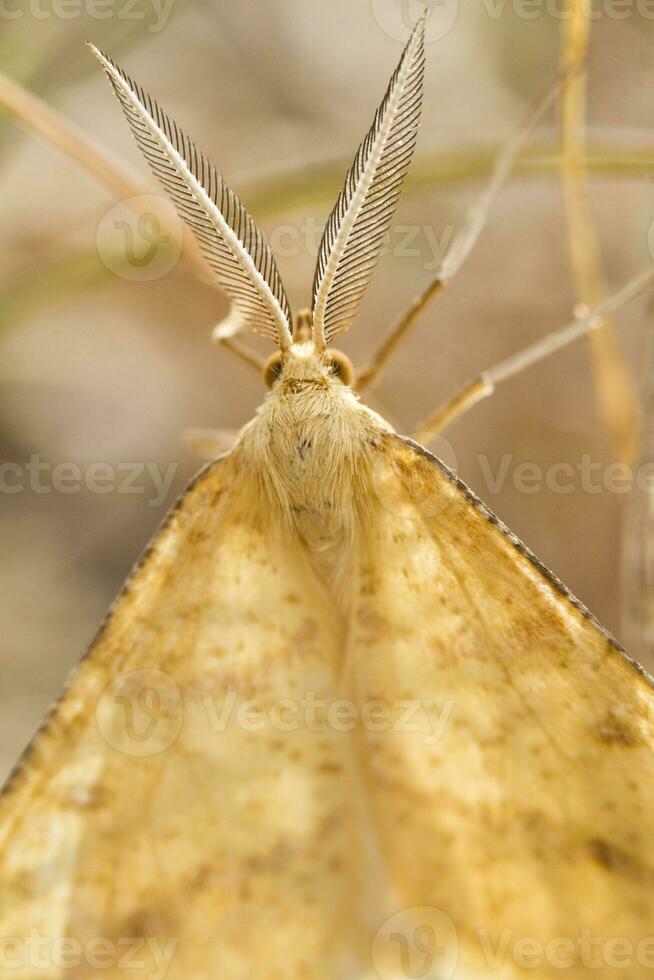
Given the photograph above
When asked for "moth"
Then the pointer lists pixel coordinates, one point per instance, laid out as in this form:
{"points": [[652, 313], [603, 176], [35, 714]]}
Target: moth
{"points": [[340, 722]]}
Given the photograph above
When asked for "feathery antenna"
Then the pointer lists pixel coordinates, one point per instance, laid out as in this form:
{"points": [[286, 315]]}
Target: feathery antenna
{"points": [[227, 235], [354, 235]]}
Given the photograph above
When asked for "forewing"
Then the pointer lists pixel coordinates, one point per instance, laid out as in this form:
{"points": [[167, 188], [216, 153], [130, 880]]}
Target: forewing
{"points": [[355, 231], [227, 235], [185, 795], [513, 783]]}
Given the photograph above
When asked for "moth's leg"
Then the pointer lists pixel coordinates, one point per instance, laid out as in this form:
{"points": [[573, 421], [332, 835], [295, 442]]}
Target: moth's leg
{"points": [[451, 410], [485, 384], [243, 352], [225, 334], [209, 443], [460, 248], [368, 374]]}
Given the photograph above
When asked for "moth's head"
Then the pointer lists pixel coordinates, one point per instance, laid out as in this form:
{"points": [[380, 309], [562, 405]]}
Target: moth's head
{"points": [[237, 251], [304, 362]]}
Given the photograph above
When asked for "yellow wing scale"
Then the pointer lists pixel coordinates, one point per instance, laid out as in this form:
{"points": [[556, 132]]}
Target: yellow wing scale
{"points": [[498, 782], [527, 820], [162, 802]]}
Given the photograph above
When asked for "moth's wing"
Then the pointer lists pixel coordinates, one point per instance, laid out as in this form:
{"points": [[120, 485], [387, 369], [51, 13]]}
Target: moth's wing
{"points": [[512, 782], [176, 804]]}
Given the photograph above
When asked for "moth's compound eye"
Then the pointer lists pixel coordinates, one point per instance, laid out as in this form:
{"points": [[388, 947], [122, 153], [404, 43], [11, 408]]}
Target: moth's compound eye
{"points": [[272, 369], [340, 366]]}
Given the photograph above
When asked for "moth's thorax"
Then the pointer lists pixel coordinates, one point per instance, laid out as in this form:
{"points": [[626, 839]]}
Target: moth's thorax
{"points": [[309, 447], [310, 436]]}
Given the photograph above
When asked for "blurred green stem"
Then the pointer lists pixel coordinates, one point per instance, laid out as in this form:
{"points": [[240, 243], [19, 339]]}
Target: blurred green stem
{"points": [[269, 197], [43, 287], [318, 185]]}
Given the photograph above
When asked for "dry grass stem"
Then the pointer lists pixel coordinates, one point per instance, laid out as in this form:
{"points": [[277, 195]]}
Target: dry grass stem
{"points": [[613, 382]]}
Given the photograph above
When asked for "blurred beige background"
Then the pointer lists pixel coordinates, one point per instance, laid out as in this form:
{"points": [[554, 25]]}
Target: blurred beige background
{"points": [[97, 368]]}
